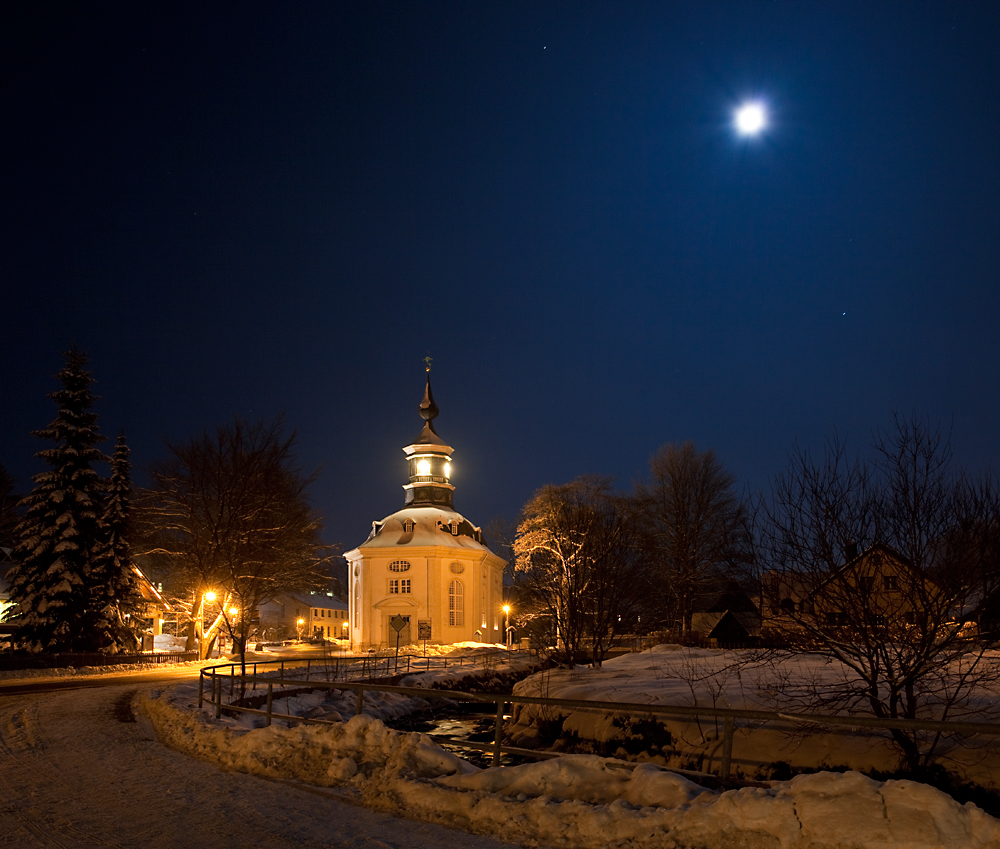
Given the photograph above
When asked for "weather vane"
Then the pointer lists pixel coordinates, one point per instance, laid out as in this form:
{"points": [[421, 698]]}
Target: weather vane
{"points": [[428, 361]]}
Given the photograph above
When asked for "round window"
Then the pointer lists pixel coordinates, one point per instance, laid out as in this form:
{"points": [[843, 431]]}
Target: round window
{"points": [[399, 566], [457, 568]]}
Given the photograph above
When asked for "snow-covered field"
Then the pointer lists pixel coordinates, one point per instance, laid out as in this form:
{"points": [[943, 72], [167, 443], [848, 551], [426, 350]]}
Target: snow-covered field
{"points": [[673, 675], [575, 800]]}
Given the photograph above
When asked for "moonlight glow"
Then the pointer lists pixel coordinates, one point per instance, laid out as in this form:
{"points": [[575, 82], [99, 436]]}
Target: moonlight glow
{"points": [[750, 119]]}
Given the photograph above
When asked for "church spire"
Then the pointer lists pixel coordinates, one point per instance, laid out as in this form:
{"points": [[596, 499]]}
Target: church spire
{"points": [[428, 409], [429, 458]]}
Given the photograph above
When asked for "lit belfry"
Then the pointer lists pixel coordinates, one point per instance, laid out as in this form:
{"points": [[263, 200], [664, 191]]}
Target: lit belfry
{"points": [[424, 573]]}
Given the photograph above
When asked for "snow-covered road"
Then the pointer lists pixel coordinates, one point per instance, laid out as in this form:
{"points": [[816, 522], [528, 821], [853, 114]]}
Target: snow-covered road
{"points": [[79, 769]]}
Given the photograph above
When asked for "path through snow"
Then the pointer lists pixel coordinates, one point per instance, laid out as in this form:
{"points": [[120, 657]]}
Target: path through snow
{"points": [[79, 769]]}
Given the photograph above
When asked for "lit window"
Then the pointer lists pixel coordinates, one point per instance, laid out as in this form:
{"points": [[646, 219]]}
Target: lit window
{"points": [[423, 467], [456, 604]]}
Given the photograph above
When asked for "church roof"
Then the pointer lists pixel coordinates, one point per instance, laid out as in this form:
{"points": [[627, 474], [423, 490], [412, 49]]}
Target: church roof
{"points": [[432, 526]]}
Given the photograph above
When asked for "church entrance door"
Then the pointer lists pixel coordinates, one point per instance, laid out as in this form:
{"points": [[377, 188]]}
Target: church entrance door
{"points": [[404, 632]]}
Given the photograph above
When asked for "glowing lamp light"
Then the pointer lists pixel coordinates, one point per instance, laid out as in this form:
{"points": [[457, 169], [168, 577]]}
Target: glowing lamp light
{"points": [[423, 467], [751, 118], [447, 470], [234, 611], [506, 610], [210, 596]]}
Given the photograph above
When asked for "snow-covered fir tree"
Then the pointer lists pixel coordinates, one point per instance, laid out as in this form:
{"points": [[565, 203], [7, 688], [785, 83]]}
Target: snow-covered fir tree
{"points": [[61, 529], [112, 583]]}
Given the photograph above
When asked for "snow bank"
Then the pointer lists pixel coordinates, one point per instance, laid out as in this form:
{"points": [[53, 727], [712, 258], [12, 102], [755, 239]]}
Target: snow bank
{"points": [[673, 675], [71, 671], [580, 801]]}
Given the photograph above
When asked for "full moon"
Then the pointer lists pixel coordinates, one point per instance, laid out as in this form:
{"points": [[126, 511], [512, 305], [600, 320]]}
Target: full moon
{"points": [[750, 119]]}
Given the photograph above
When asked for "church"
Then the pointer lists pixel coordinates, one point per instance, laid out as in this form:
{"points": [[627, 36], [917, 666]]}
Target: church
{"points": [[424, 573]]}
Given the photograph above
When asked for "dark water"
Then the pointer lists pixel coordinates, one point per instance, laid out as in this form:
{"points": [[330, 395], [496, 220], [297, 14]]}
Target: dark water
{"points": [[473, 722]]}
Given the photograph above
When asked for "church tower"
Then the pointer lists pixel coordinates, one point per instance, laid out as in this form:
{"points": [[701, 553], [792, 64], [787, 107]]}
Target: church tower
{"points": [[424, 572]]}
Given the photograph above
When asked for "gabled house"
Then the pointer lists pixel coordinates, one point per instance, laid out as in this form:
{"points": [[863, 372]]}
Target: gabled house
{"points": [[875, 589], [730, 617]]}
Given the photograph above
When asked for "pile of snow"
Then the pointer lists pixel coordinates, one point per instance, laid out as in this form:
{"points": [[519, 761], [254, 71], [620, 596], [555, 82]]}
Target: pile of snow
{"points": [[578, 800], [674, 675], [326, 703], [113, 669], [169, 643]]}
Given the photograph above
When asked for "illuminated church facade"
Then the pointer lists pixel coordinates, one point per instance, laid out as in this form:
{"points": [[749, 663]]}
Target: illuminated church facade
{"points": [[424, 573]]}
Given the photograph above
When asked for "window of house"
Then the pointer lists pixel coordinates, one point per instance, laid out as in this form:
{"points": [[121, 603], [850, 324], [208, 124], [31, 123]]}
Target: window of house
{"points": [[891, 583], [399, 586], [456, 603], [408, 526], [454, 528], [399, 566]]}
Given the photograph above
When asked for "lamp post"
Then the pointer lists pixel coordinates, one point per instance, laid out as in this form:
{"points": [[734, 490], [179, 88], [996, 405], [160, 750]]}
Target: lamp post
{"points": [[298, 628], [199, 622], [506, 624]]}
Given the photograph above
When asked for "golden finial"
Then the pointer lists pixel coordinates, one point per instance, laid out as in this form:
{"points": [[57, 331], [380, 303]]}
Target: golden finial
{"points": [[428, 361]]}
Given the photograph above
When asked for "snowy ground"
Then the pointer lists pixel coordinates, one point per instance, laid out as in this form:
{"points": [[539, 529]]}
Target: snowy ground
{"points": [[673, 675], [78, 771], [578, 801]]}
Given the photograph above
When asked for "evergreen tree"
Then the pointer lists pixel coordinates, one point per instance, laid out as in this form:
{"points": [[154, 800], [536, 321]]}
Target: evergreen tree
{"points": [[113, 586], [58, 535], [8, 512]]}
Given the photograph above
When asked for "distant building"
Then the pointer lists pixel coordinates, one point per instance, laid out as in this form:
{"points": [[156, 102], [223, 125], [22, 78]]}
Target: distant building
{"points": [[730, 617], [304, 614], [424, 573]]}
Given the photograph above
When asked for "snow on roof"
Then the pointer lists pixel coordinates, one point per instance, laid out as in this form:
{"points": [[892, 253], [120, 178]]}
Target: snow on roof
{"points": [[322, 600], [432, 526]]}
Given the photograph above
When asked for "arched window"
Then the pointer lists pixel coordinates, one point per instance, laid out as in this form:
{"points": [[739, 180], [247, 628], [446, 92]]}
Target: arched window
{"points": [[456, 603]]}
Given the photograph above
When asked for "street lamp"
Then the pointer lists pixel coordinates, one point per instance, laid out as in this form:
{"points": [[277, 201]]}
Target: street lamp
{"points": [[298, 627], [506, 624]]}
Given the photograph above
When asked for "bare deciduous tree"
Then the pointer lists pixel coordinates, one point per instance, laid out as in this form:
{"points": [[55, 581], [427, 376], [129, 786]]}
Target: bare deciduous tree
{"points": [[897, 611], [576, 558], [230, 509], [691, 522]]}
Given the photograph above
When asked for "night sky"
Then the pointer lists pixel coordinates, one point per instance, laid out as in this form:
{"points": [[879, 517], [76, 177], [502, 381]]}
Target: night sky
{"points": [[258, 208]]}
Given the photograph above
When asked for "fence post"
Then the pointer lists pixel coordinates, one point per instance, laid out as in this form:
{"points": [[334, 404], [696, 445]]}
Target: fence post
{"points": [[201, 688], [727, 749], [361, 702], [218, 696], [498, 733], [308, 668], [270, 696]]}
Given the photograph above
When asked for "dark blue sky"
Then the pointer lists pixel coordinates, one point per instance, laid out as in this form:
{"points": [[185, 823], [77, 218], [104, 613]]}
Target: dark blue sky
{"points": [[252, 208]]}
